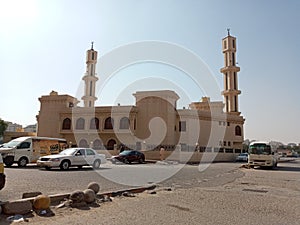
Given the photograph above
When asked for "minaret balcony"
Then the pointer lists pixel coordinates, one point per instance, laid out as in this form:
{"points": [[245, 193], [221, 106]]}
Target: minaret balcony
{"points": [[230, 68], [90, 78], [231, 92]]}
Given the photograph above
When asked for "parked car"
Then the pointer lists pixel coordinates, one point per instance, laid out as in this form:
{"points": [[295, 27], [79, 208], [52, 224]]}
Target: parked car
{"points": [[129, 156], [72, 157], [242, 157]]}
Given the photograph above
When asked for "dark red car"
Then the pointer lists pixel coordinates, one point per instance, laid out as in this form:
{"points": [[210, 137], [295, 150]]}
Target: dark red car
{"points": [[129, 156]]}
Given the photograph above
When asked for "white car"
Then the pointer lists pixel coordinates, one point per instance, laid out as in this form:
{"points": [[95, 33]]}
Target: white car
{"points": [[242, 157], [72, 157]]}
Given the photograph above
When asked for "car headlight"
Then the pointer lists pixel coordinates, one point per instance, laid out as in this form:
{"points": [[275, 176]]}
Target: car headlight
{"points": [[54, 160]]}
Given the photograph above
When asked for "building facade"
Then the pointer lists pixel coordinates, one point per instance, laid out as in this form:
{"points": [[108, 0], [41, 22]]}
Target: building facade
{"points": [[153, 121]]}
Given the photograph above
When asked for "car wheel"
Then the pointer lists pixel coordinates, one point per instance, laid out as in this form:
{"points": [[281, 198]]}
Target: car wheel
{"points": [[8, 161], [141, 160], [64, 165], [22, 162], [47, 167], [126, 161], [96, 164]]}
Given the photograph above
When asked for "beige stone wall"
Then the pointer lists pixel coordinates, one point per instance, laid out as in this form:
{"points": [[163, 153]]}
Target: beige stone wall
{"points": [[49, 121], [8, 136], [182, 157]]}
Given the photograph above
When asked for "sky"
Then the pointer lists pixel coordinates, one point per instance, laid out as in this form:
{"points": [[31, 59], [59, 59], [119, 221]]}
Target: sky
{"points": [[43, 46]]}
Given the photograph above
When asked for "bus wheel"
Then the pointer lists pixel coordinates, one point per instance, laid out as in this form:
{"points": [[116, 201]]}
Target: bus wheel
{"points": [[22, 162]]}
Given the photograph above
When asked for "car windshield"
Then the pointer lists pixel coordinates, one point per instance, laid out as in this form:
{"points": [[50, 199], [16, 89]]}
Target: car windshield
{"points": [[260, 149], [68, 151], [126, 152], [244, 154], [10, 144]]}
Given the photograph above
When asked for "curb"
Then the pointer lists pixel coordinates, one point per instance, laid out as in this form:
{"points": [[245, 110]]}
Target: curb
{"points": [[56, 198]]}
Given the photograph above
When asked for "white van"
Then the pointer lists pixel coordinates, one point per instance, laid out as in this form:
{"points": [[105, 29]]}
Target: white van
{"points": [[24, 150]]}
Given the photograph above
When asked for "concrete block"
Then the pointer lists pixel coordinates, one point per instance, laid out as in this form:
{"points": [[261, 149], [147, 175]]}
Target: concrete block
{"points": [[17, 207]]}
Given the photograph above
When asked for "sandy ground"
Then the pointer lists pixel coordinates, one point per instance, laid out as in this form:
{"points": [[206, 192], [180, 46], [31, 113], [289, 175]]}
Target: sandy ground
{"points": [[256, 198]]}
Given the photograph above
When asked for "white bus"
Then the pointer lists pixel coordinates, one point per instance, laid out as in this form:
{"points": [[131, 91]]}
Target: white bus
{"points": [[261, 154], [24, 150]]}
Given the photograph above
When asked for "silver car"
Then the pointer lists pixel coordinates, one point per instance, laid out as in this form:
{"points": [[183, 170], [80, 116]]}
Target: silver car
{"points": [[72, 157], [243, 157]]}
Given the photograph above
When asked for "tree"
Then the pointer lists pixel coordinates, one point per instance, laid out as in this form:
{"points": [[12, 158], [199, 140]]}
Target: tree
{"points": [[3, 126]]}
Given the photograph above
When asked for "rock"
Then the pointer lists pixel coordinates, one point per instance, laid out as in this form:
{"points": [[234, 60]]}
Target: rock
{"points": [[128, 194], [41, 202], [17, 207], [89, 195], [31, 194], [77, 196], [78, 204], [94, 186]]}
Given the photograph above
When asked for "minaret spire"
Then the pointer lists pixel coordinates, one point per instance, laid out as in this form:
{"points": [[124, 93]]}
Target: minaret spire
{"points": [[228, 31], [230, 71], [90, 78]]}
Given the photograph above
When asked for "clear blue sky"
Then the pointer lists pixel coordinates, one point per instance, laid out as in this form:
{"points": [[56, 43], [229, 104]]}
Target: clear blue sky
{"points": [[43, 45]]}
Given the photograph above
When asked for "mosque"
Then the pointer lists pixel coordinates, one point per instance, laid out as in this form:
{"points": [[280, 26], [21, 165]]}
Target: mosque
{"points": [[153, 121]]}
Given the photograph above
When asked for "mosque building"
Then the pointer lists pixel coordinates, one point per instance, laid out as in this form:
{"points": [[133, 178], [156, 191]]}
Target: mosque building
{"points": [[153, 121]]}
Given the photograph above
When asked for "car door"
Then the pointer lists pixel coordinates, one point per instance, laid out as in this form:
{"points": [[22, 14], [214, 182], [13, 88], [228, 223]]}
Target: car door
{"points": [[79, 157], [132, 156], [90, 156], [23, 149]]}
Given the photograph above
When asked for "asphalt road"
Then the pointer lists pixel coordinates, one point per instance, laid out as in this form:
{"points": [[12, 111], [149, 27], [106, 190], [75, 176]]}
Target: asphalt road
{"points": [[115, 177]]}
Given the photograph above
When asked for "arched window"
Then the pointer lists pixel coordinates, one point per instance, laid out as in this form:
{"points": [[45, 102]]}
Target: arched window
{"points": [[97, 144], [238, 131], [80, 124], [66, 124], [109, 123], [94, 124], [110, 144], [83, 143], [124, 123]]}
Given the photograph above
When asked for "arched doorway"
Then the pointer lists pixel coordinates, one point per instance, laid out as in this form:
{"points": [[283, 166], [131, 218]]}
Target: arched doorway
{"points": [[97, 144], [83, 143], [110, 144]]}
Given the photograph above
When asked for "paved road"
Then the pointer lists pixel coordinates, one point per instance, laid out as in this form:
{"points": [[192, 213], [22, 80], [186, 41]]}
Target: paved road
{"points": [[115, 177]]}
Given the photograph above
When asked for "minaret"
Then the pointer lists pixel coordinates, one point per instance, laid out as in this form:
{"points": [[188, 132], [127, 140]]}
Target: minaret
{"points": [[230, 71], [90, 78]]}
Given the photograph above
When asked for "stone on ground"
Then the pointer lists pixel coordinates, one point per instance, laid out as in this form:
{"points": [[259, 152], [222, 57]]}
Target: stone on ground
{"points": [[89, 196], [41, 202], [77, 196], [94, 186]]}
